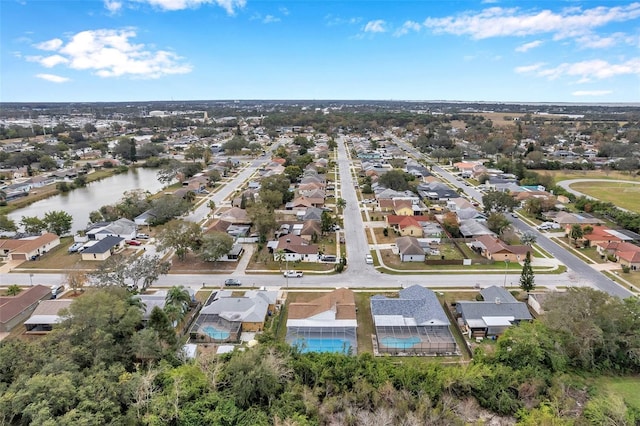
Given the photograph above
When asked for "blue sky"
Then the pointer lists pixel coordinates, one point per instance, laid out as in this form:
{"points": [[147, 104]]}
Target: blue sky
{"points": [[144, 50]]}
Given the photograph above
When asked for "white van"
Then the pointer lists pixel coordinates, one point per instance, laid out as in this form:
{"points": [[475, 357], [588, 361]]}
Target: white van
{"points": [[368, 259]]}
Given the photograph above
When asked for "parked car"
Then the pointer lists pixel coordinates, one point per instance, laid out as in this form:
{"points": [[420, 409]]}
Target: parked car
{"points": [[133, 242], [293, 274], [75, 247], [232, 282], [56, 290], [368, 259], [328, 258], [142, 236]]}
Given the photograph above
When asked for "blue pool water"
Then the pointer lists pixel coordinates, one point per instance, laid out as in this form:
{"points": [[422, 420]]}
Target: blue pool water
{"points": [[400, 342], [322, 345], [214, 333]]}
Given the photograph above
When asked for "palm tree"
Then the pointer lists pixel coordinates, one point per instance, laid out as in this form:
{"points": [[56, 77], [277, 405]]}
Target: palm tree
{"points": [[279, 257], [13, 290], [179, 298], [190, 196], [341, 203]]}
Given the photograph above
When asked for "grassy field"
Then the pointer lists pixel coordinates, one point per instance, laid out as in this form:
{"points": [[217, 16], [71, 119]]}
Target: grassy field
{"points": [[559, 175], [625, 195], [627, 387]]}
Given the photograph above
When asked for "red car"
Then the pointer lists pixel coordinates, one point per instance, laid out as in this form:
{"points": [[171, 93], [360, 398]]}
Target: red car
{"points": [[133, 242]]}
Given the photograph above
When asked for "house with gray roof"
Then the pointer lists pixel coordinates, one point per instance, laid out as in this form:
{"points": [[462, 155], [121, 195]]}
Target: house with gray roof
{"points": [[491, 317], [103, 249], [224, 317], [123, 227], [413, 323]]}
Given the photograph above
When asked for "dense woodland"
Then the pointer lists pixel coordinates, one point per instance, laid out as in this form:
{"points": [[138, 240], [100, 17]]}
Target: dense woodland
{"points": [[100, 366]]}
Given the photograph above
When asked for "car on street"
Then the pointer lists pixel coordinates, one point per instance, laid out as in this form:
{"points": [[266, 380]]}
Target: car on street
{"points": [[368, 259], [133, 243], [293, 274], [232, 282]]}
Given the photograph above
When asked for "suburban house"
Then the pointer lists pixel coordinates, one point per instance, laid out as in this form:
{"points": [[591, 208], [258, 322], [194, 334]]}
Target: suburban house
{"points": [[28, 248], [46, 315], [123, 228], [224, 317], [236, 216], [495, 249], [566, 218], [145, 218], [103, 249], [293, 248], [626, 254], [150, 301], [413, 323], [494, 315], [15, 309], [471, 228], [410, 249], [325, 324]]}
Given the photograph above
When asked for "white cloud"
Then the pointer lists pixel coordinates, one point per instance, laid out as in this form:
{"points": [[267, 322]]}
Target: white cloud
{"points": [[109, 53], [284, 11], [498, 21], [407, 27], [528, 46], [113, 6], [332, 21], [591, 92], [596, 69], [52, 78], [269, 19], [53, 44], [594, 41], [171, 5], [529, 68], [376, 26]]}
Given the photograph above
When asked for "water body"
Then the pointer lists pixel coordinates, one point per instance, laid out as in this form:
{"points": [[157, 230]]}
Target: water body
{"points": [[82, 201]]}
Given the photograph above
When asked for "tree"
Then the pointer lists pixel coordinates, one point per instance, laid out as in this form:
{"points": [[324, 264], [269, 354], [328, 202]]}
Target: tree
{"points": [[235, 145], [160, 322], [215, 245], [498, 201], [179, 297], [7, 224], [194, 152], [279, 256], [396, 179], [32, 224], [263, 219], [13, 290], [576, 233], [293, 173], [76, 278], [147, 268], [527, 279], [125, 148], [58, 222], [212, 206], [341, 203], [168, 207], [497, 222], [169, 171], [528, 238], [327, 222], [180, 236]]}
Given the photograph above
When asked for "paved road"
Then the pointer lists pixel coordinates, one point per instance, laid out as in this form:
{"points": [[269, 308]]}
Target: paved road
{"points": [[576, 266]]}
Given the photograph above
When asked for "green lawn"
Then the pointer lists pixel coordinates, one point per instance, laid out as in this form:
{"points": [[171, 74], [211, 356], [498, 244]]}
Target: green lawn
{"points": [[627, 387], [559, 175], [625, 195]]}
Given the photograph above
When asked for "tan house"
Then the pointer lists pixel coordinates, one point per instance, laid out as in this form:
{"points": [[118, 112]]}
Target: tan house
{"points": [[626, 254], [29, 248], [496, 249], [46, 315], [103, 249]]}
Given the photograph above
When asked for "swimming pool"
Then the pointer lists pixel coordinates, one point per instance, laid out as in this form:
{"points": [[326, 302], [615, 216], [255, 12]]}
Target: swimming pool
{"points": [[214, 333], [400, 342], [317, 344]]}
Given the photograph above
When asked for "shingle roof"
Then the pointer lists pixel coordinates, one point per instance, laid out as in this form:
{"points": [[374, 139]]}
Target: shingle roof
{"points": [[104, 245], [409, 245], [10, 306], [415, 302], [341, 301]]}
